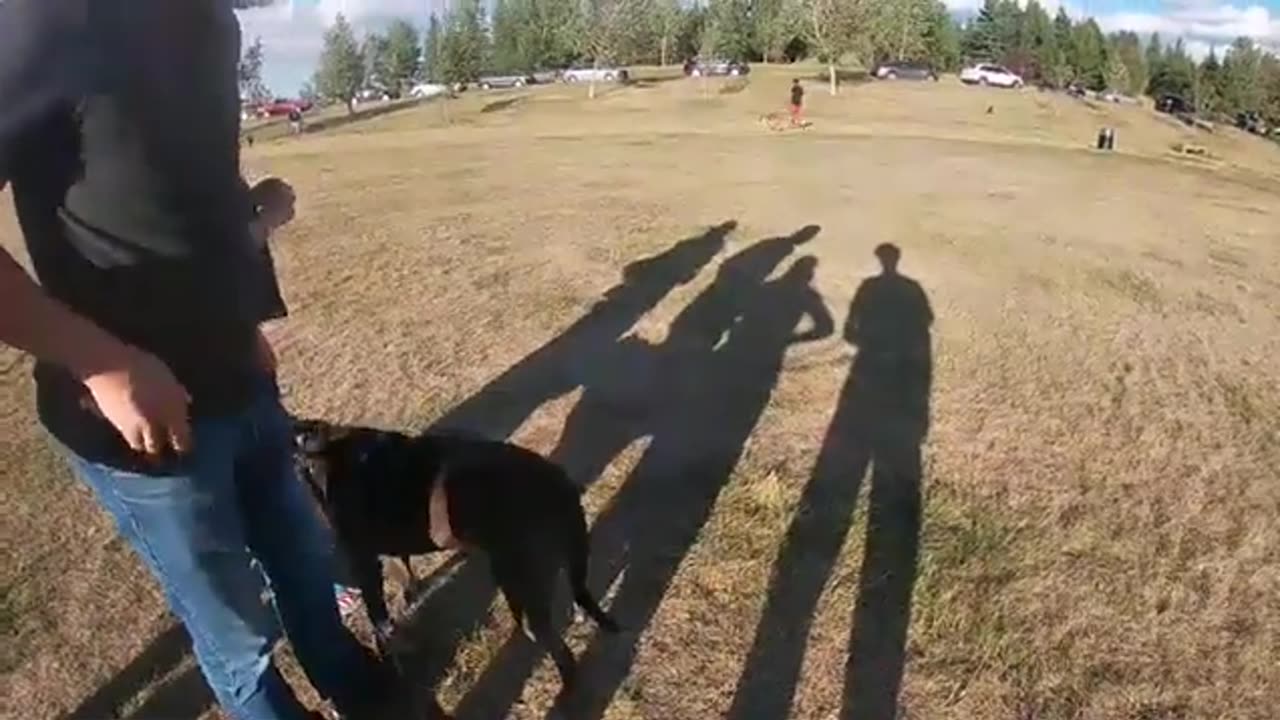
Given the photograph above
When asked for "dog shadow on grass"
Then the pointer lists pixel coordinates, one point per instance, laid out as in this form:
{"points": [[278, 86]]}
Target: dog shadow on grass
{"points": [[880, 422], [697, 397]]}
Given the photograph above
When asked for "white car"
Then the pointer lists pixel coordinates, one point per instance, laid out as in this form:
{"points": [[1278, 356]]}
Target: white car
{"points": [[990, 75], [600, 74], [427, 90]]}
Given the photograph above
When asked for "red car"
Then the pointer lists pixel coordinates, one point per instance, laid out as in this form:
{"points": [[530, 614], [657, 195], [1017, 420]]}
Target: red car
{"points": [[281, 107]]}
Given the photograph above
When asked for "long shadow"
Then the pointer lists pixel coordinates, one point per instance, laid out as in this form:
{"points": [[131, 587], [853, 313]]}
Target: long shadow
{"points": [[880, 422], [458, 608], [500, 105], [496, 410], [164, 654], [698, 397]]}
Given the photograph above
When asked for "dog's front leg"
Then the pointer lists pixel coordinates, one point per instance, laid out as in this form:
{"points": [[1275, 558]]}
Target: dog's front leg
{"points": [[368, 572]]}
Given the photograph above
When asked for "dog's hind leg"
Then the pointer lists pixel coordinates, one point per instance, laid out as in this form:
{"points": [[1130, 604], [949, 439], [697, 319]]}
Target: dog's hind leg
{"points": [[528, 584], [538, 616], [579, 556], [509, 576]]}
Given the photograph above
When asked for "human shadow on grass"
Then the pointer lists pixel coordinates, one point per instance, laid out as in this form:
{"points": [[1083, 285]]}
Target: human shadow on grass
{"points": [[460, 606], [880, 422], [496, 410], [165, 654], [697, 397]]}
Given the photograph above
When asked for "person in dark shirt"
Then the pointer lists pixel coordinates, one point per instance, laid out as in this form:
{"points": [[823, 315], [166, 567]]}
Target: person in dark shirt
{"points": [[295, 121], [119, 137], [797, 101]]}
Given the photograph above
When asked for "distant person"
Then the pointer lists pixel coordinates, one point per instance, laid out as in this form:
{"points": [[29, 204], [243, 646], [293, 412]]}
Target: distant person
{"points": [[152, 371], [797, 102], [295, 120]]}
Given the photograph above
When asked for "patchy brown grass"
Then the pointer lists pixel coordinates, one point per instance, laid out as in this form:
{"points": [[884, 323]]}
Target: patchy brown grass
{"points": [[1097, 535]]}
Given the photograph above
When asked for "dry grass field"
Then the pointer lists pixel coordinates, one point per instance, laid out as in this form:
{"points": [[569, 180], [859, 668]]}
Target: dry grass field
{"points": [[1086, 526]]}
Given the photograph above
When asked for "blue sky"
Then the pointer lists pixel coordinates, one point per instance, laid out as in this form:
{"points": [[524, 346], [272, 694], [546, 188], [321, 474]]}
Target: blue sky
{"points": [[291, 30]]}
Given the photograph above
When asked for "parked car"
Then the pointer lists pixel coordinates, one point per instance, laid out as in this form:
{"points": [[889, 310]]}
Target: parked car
{"points": [[515, 80], [373, 94], [546, 76], [428, 90], [905, 71], [995, 75], [699, 67], [1252, 122], [1174, 105], [281, 107], [599, 74]]}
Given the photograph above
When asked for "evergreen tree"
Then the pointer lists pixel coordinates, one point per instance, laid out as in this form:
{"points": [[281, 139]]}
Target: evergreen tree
{"points": [[464, 43], [432, 65], [778, 23], [508, 25], [342, 68], [1177, 72], [942, 39], [403, 61], [982, 41], [249, 72], [1155, 65], [668, 19], [1117, 74], [1037, 31], [1207, 88], [728, 33], [1014, 42], [1241, 86], [1126, 48], [1065, 40], [1270, 71], [374, 52], [1090, 55]]}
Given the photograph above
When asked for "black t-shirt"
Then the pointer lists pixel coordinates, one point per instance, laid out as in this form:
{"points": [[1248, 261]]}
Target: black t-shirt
{"points": [[797, 94], [125, 170]]}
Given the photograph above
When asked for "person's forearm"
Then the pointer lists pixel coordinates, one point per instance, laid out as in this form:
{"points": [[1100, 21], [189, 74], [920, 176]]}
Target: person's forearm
{"points": [[32, 321]]}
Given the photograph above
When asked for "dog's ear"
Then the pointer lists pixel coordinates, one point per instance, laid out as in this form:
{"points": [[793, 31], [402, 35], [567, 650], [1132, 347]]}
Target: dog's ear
{"points": [[310, 436], [313, 436]]}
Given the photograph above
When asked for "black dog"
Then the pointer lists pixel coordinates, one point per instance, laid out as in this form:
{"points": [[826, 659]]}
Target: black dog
{"points": [[389, 494]]}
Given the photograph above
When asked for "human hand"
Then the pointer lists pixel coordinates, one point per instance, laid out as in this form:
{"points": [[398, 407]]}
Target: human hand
{"points": [[275, 201], [143, 401], [266, 354]]}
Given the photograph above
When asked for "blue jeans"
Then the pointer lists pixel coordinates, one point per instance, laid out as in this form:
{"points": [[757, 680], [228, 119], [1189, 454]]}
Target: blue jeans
{"points": [[234, 502]]}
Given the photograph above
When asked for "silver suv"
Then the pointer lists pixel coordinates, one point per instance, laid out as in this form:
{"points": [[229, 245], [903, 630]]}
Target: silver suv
{"points": [[600, 74]]}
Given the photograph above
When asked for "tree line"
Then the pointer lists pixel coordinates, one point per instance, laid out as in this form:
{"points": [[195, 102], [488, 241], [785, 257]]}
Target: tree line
{"points": [[1059, 51], [1051, 50]]}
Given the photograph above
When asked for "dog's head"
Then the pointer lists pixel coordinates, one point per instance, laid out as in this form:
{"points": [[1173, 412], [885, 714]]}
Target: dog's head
{"points": [[313, 437], [314, 443]]}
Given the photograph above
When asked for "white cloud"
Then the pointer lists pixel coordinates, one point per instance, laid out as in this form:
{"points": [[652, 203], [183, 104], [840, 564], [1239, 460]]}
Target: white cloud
{"points": [[1202, 25]]}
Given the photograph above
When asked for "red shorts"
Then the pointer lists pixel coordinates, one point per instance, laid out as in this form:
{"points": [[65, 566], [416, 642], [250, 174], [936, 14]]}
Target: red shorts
{"points": [[795, 111]]}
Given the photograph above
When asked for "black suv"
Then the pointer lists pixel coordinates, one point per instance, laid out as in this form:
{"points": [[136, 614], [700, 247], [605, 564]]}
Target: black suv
{"points": [[1174, 105], [1251, 121]]}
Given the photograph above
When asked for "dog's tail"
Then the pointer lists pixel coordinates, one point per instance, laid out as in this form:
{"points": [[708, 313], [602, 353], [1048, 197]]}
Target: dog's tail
{"points": [[579, 556]]}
